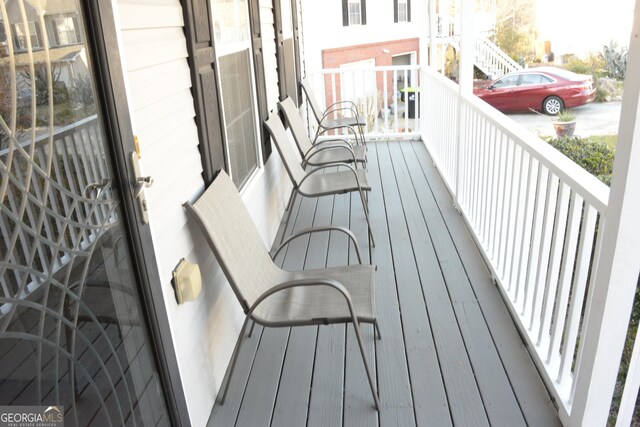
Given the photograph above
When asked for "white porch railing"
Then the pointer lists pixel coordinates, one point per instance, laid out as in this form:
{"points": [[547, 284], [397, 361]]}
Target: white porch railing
{"points": [[389, 97], [537, 218]]}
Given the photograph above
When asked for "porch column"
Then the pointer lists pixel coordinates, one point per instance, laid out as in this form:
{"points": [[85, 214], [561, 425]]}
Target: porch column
{"points": [[467, 41], [432, 33], [618, 265]]}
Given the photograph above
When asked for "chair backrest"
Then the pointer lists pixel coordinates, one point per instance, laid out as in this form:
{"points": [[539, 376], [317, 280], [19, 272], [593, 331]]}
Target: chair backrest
{"points": [[234, 239], [290, 111], [286, 148], [315, 106]]}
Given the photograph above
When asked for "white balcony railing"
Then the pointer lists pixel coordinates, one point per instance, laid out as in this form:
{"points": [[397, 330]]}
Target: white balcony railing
{"points": [[537, 218], [389, 97]]}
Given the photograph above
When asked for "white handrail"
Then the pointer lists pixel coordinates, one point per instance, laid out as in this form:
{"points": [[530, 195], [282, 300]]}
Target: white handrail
{"points": [[534, 214], [378, 93]]}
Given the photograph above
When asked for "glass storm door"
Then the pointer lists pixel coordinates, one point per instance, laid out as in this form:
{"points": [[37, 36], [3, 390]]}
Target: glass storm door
{"points": [[72, 330]]}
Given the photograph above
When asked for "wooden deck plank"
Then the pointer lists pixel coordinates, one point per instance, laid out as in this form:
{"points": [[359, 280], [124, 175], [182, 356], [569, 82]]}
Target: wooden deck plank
{"points": [[430, 393], [493, 384], [262, 388], [326, 403], [391, 362], [435, 362], [227, 413], [358, 403], [466, 405], [292, 402], [525, 380]]}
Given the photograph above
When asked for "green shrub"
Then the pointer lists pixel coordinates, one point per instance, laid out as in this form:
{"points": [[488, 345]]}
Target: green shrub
{"points": [[601, 94], [615, 60], [593, 65], [565, 116], [594, 155]]}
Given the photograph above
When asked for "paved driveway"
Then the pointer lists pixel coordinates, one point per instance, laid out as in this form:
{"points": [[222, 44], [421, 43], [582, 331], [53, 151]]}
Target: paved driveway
{"points": [[596, 118]]}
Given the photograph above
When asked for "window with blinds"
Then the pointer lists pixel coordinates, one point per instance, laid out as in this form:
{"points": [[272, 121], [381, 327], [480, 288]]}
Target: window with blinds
{"points": [[237, 104]]}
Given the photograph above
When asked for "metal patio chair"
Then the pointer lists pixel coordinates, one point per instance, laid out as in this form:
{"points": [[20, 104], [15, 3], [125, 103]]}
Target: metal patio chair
{"points": [[312, 183], [269, 295], [354, 122], [323, 152]]}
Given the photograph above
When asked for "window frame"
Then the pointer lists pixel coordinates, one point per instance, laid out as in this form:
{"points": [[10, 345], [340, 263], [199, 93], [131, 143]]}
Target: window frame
{"points": [[56, 23], [404, 18], [346, 12], [396, 11], [352, 15], [19, 45]]}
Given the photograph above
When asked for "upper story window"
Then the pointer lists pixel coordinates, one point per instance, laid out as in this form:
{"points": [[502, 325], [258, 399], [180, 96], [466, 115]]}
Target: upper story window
{"points": [[401, 10], [22, 34], [354, 12], [66, 31]]}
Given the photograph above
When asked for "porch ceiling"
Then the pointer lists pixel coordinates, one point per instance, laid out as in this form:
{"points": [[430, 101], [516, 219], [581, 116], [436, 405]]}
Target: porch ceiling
{"points": [[449, 353]]}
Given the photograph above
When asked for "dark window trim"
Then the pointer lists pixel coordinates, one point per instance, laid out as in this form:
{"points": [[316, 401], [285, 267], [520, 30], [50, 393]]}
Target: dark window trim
{"points": [[113, 103], [208, 118], [283, 76], [296, 46], [261, 81], [345, 12], [277, 27], [395, 11]]}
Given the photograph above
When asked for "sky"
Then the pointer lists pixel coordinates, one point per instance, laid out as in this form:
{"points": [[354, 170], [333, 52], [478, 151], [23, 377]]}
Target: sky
{"points": [[583, 26]]}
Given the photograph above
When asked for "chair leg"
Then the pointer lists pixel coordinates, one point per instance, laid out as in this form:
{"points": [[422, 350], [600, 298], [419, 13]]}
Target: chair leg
{"points": [[253, 324], [374, 392], [291, 202], [366, 214], [377, 327], [232, 366]]}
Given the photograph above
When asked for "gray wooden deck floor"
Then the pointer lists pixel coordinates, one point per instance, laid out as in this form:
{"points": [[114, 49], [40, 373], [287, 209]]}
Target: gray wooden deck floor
{"points": [[449, 354]]}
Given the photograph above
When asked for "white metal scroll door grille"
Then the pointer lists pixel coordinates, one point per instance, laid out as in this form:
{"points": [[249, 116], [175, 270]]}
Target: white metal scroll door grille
{"points": [[70, 328]]}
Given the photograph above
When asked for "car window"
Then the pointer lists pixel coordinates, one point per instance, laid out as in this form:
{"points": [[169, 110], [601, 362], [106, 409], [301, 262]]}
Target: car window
{"points": [[506, 81], [531, 79], [546, 79]]}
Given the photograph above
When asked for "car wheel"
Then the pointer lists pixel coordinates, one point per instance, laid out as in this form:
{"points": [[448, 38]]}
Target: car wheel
{"points": [[552, 105]]}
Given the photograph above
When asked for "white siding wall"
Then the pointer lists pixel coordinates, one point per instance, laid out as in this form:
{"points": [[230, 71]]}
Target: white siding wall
{"points": [[158, 82], [323, 29]]}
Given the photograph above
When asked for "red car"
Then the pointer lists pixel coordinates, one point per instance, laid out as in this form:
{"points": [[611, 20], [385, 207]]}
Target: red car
{"points": [[545, 89]]}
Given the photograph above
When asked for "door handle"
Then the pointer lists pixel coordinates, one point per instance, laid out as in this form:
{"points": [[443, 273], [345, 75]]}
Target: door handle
{"points": [[141, 182]]}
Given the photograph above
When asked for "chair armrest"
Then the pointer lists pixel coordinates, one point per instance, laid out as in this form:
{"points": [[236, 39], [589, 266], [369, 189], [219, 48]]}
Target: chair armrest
{"points": [[334, 141], [314, 151], [329, 111], [304, 283], [306, 231], [352, 104], [324, 130]]}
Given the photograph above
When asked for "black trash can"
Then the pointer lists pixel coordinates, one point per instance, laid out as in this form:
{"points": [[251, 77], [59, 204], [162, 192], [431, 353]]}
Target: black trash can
{"points": [[411, 96]]}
